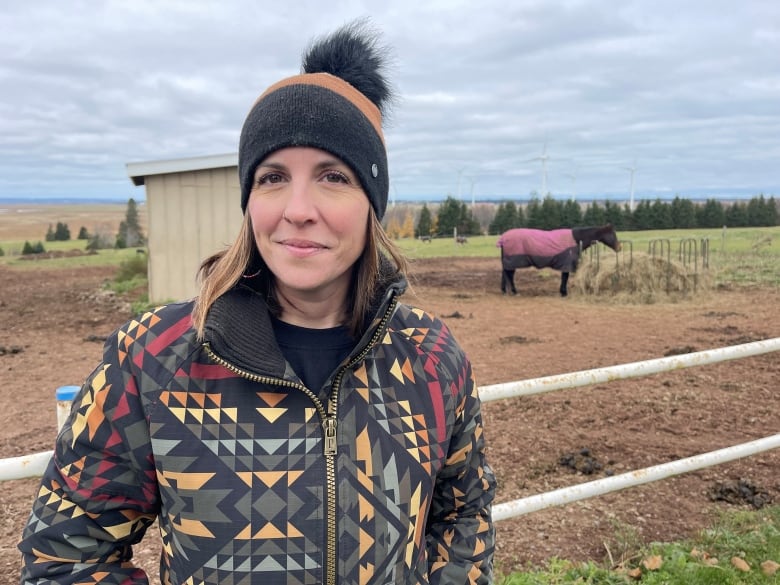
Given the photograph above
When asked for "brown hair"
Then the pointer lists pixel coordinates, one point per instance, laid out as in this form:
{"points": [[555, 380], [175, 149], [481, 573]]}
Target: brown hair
{"points": [[222, 271]]}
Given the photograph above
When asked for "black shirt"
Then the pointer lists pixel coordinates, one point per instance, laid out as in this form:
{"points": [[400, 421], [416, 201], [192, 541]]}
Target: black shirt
{"points": [[313, 353]]}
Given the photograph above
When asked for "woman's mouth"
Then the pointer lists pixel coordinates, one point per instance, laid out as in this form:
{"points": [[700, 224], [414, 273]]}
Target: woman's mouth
{"points": [[302, 248]]}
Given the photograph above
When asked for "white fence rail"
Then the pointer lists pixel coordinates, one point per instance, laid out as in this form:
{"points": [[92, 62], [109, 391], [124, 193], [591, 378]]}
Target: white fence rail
{"points": [[598, 487], [35, 464], [25, 466], [608, 374], [632, 370]]}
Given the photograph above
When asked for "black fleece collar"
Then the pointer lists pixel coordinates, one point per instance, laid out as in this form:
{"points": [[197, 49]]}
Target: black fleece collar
{"points": [[239, 330]]}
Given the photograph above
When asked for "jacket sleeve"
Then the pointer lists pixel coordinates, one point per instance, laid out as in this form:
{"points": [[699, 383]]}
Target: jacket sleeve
{"points": [[99, 492], [460, 534]]}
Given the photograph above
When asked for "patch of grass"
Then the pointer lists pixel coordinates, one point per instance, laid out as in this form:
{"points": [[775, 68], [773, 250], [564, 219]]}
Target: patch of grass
{"points": [[107, 257], [740, 548], [748, 269], [131, 275], [132, 268], [476, 247]]}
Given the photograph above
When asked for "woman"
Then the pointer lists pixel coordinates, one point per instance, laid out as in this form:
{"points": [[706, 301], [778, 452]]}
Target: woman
{"points": [[296, 423]]}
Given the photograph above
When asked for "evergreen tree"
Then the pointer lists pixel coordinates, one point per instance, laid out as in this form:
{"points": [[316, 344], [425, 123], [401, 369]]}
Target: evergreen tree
{"points": [[424, 222], [772, 211], [534, 215], [594, 215], [62, 232], [49, 235], [454, 215], [683, 213], [661, 215], [736, 215], [448, 216], [628, 218], [614, 214], [552, 213], [130, 233], [83, 234], [642, 216], [505, 218], [521, 222], [571, 214], [761, 212], [711, 214], [471, 225], [36, 248]]}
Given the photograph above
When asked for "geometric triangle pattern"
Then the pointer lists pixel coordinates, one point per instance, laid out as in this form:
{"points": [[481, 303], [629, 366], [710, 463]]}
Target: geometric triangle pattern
{"points": [[232, 466]]}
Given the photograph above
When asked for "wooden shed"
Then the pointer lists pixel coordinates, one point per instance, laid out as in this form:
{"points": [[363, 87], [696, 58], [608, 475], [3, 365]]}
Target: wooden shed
{"points": [[194, 210]]}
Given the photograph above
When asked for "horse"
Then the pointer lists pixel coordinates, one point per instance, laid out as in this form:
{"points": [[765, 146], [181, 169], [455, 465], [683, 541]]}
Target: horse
{"points": [[557, 249]]}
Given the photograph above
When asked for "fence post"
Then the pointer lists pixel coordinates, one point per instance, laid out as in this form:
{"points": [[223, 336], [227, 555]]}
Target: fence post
{"points": [[64, 396]]}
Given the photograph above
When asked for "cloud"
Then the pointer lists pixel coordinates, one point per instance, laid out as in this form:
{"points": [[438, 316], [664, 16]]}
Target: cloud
{"points": [[688, 93]]}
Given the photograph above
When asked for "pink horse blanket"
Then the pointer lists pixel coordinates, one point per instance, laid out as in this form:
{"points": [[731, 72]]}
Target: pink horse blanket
{"points": [[524, 247]]}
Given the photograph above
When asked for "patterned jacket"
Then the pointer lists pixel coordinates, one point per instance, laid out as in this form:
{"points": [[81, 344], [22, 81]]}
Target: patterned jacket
{"points": [[254, 478]]}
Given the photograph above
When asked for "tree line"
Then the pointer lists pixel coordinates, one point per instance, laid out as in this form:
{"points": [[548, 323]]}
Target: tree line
{"points": [[129, 234], [454, 216]]}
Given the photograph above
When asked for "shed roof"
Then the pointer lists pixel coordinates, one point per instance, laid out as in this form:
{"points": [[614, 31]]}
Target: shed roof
{"points": [[138, 171]]}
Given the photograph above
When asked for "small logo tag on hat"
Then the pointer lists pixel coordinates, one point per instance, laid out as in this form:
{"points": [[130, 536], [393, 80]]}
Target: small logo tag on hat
{"points": [[374, 170]]}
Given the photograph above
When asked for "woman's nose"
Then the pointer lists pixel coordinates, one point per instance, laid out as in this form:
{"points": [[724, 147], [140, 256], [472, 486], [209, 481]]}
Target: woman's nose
{"points": [[299, 207]]}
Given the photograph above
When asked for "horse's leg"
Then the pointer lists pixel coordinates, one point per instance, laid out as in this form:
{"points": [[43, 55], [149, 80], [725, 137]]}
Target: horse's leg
{"points": [[564, 281], [508, 281]]}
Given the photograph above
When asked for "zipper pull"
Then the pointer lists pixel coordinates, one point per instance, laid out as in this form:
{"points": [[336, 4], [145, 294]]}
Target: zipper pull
{"points": [[329, 425]]}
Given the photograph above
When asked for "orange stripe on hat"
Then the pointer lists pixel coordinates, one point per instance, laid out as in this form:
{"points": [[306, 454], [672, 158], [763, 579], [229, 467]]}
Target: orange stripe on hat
{"points": [[338, 86]]}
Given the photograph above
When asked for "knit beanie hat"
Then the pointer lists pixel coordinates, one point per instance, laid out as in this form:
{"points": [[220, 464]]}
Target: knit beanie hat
{"points": [[335, 104]]}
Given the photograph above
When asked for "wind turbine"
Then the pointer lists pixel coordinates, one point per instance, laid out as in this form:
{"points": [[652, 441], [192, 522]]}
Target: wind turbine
{"points": [[544, 157], [573, 177], [471, 180], [632, 170], [460, 173]]}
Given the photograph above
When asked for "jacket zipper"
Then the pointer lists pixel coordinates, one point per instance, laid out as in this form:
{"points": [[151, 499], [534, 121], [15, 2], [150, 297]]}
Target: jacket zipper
{"points": [[329, 426]]}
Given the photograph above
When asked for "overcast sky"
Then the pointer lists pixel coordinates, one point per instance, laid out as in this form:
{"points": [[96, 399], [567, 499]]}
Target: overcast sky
{"points": [[685, 93]]}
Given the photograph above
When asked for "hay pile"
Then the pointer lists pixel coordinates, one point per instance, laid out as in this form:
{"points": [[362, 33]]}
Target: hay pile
{"points": [[639, 278]]}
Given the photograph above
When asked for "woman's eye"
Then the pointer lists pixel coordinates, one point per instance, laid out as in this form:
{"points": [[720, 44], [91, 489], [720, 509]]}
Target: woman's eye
{"points": [[269, 178], [336, 177]]}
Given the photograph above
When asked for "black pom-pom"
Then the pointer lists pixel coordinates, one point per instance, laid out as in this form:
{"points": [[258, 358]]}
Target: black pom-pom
{"points": [[354, 54]]}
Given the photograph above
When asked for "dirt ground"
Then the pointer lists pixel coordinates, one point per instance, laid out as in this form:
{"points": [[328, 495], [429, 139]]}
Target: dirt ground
{"points": [[52, 323]]}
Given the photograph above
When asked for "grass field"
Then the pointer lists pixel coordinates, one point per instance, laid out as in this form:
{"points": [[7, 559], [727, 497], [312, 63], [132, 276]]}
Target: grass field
{"points": [[743, 256], [730, 240]]}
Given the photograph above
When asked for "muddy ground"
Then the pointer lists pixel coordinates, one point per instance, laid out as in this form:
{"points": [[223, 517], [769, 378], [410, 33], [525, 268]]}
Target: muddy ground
{"points": [[52, 323]]}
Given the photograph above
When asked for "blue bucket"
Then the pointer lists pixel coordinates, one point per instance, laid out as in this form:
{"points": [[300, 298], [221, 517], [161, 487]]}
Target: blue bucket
{"points": [[64, 396], [66, 392]]}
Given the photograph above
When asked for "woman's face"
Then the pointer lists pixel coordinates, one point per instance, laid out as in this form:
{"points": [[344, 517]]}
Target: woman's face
{"points": [[309, 217]]}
